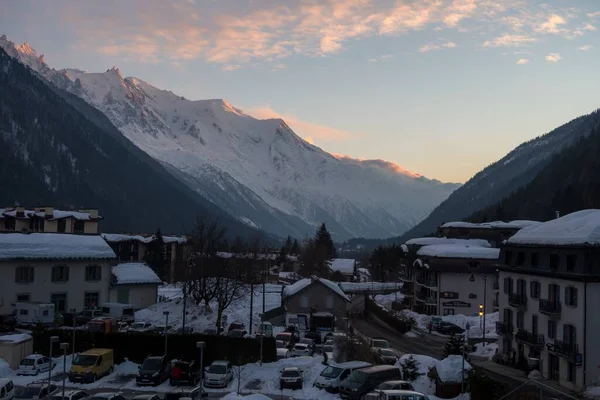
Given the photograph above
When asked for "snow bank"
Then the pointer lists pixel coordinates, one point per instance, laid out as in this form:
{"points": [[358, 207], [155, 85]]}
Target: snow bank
{"points": [[516, 224], [428, 241], [458, 251], [422, 384], [38, 246], [581, 227], [5, 370], [486, 350], [343, 265], [134, 273], [461, 320], [127, 368], [450, 369], [386, 300]]}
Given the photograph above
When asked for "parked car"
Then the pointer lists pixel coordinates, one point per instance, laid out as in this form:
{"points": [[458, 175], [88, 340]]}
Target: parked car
{"points": [[69, 395], [91, 365], [282, 351], [160, 329], [35, 390], [328, 350], [379, 343], [236, 333], [219, 374], [195, 393], [315, 336], [331, 377], [396, 395], [448, 328], [363, 381], [153, 371], [395, 385], [184, 372], [34, 364], [7, 389], [291, 378], [287, 338], [236, 325], [107, 396], [8, 322], [86, 316], [140, 327], [180, 331], [386, 356], [305, 347], [119, 311], [146, 397]]}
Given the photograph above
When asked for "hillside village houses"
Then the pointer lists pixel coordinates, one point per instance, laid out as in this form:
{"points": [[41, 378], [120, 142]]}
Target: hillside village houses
{"points": [[550, 288], [49, 220]]}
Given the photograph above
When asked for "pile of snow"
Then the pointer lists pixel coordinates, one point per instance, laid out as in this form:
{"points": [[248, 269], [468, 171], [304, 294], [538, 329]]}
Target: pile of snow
{"points": [[428, 241], [5, 370], [170, 292], [581, 227], [452, 369], [461, 320], [134, 273], [55, 246], [422, 384], [459, 251], [127, 368], [516, 224], [486, 350], [592, 392], [386, 300]]}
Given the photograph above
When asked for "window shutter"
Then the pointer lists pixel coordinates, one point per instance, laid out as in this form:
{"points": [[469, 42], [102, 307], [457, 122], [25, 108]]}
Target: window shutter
{"points": [[565, 334], [574, 291]]}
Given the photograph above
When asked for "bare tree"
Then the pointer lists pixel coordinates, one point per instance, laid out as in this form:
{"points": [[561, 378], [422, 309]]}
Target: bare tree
{"points": [[238, 373], [229, 287]]}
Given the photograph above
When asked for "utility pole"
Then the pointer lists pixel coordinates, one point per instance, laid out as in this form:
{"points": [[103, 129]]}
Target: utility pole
{"points": [[251, 303], [265, 280], [484, 309]]}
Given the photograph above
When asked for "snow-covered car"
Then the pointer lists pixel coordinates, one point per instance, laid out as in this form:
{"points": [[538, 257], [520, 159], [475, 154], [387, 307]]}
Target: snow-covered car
{"points": [[396, 394], [291, 377], [69, 395], [35, 390], [146, 397], [328, 350], [107, 396], [303, 349], [219, 374], [236, 333], [140, 327], [35, 364], [282, 351], [395, 385]]}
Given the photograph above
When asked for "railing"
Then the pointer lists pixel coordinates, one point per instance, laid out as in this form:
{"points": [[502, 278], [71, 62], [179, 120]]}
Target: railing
{"points": [[502, 328], [407, 290], [550, 307], [534, 340], [568, 350], [426, 298], [517, 300], [427, 282], [407, 277]]}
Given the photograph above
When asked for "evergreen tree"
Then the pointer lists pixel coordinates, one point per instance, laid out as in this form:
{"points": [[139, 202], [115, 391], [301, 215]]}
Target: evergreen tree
{"points": [[155, 256], [454, 345], [324, 242], [318, 253], [285, 251], [295, 249], [410, 369]]}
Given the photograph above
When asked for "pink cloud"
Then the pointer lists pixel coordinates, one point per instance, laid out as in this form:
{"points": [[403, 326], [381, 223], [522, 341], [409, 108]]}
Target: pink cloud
{"points": [[377, 163]]}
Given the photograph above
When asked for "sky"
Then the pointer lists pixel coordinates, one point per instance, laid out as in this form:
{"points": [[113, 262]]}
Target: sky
{"points": [[442, 88]]}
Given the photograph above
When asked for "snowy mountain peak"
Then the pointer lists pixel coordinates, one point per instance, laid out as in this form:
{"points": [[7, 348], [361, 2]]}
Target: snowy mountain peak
{"points": [[25, 48]]}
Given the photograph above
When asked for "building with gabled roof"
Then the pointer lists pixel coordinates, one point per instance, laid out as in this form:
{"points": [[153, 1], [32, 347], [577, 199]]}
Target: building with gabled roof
{"points": [[49, 220], [134, 283]]}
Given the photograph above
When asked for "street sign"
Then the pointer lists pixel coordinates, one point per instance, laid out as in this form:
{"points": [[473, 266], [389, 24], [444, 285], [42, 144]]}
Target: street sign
{"points": [[579, 359]]}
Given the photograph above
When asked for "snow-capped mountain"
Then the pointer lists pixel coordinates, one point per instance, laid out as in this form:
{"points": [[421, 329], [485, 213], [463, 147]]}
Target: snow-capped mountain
{"points": [[259, 171]]}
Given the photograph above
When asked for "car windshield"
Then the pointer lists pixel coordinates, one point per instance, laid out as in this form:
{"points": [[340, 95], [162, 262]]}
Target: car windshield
{"points": [[28, 361], [290, 374], [331, 372], [279, 344], [387, 353], [236, 333], [217, 369], [151, 364], [300, 346], [307, 341], [138, 325], [381, 343], [328, 349], [128, 311], [85, 359], [28, 392], [358, 377]]}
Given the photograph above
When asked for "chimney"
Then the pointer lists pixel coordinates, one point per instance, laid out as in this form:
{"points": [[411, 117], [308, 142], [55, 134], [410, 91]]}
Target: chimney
{"points": [[557, 214], [20, 211], [49, 211]]}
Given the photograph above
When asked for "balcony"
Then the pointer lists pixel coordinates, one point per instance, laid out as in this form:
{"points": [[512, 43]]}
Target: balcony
{"points": [[564, 349], [407, 291], [528, 338], [404, 277], [551, 308], [495, 303], [430, 283], [518, 300], [504, 329], [427, 299]]}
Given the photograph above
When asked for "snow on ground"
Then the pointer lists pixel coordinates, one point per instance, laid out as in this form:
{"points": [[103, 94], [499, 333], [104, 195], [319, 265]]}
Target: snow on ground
{"points": [[475, 330], [386, 300], [592, 392], [200, 318], [7, 372], [487, 350]]}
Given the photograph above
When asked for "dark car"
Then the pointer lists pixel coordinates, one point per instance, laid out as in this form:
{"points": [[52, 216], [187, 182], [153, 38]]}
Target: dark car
{"points": [[362, 381], [386, 357], [236, 325], [237, 333], [153, 371], [448, 328], [86, 316], [315, 336]]}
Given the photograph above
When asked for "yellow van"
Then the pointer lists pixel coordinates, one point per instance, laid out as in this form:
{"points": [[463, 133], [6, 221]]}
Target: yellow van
{"points": [[91, 365]]}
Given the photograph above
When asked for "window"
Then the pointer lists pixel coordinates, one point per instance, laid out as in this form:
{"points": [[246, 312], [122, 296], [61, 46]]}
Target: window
{"points": [[10, 224], [79, 227], [23, 297], [507, 257], [135, 251], [534, 324], [448, 311], [304, 302], [60, 273], [569, 334], [554, 261], [61, 226], [571, 372], [534, 289], [93, 272], [91, 300], [554, 293], [551, 329], [24, 274], [168, 252], [535, 257], [36, 224], [329, 303], [508, 285], [521, 287], [571, 262], [571, 296], [60, 302], [520, 320], [520, 258]]}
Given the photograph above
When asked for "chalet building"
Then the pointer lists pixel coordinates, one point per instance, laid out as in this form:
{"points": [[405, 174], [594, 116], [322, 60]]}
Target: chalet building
{"points": [[494, 232], [550, 288], [133, 248], [49, 220], [71, 271], [344, 268]]}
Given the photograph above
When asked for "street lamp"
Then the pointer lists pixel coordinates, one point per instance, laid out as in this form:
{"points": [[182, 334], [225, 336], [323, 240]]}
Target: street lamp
{"points": [[64, 347], [74, 311], [201, 345], [166, 314], [53, 339]]}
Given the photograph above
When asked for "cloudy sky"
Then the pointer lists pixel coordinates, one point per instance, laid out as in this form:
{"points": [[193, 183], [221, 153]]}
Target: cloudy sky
{"points": [[441, 87]]}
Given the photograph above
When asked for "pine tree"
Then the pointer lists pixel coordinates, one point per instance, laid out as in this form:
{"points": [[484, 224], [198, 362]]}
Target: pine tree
{"points": [[295, 249], [410, 369], [324, 241], [155, 256], [454, 345]]}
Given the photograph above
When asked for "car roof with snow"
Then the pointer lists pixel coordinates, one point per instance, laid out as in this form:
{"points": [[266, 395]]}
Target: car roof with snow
{"points": [[34, 356], [71, 392], [220, 362], [143, 396], [352, 364], [399, 391], [301, 345], [292, 369], [4, 381], [107, 395]]}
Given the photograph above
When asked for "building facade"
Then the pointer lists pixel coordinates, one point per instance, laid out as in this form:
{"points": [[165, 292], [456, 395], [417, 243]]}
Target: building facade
{"points": [[549, 290], [49, 220], [134, 283], [494, 232]]}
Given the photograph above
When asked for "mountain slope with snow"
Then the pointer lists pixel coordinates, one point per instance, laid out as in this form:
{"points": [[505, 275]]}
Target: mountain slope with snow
{"points": [[259, 171]]}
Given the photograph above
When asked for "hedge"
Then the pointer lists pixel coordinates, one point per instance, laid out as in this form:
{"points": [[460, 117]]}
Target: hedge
{"points": [[137, 346], [402, 325]]}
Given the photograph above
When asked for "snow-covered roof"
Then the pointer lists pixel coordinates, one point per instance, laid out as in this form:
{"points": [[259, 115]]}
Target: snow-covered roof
{"points": [[269, 256], [15, 338], [516, 224], [134, 274], [296, 287], [404, 248], [56, 214], [288, 275], [450, 369], [343, 265], [458, 251], [53, 246], [428, 241], [578, 228], [118, 237]]}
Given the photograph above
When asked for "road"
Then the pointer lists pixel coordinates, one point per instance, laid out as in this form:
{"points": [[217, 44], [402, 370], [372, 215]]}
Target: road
{"points": [[414, 343]]}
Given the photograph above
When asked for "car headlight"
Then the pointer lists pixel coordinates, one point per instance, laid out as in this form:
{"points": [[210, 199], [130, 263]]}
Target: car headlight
{"points": [[354, 390], [154, 375]]}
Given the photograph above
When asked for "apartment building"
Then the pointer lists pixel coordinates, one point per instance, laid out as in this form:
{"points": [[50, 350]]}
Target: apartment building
{"points": [[71, 271], [49, 220], [494, 232], [550, 288]]}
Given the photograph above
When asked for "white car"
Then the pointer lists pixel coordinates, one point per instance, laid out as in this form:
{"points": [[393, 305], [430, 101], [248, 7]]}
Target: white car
{"points": [[219, 374], [69, 395], [140, 327], [301, 349], [282, 351], [7, 389], [35, 390], [107, 396], [35, 364]]}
